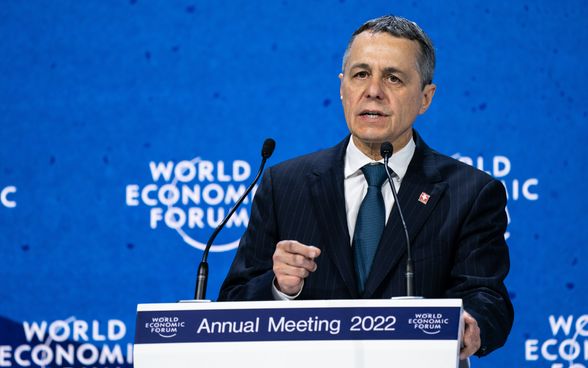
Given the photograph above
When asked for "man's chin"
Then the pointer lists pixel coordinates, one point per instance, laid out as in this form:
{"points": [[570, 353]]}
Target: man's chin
{"points": [[370, 140], [375, 140]]}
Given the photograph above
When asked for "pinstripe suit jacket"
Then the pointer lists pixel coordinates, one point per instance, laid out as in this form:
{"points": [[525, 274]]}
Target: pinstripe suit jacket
{"points": [[457, 237]]}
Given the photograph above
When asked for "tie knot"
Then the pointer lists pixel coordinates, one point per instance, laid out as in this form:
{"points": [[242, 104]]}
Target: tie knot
{"points": [[375, 175]]}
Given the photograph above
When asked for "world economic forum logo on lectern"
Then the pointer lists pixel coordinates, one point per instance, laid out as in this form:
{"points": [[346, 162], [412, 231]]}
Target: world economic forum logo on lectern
{"points": [[429, 323], [193, 196], [165, 326]]}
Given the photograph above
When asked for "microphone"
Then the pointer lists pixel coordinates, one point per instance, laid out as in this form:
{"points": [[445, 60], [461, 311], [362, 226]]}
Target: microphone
{"points": [[386, 150], [202, 278]]}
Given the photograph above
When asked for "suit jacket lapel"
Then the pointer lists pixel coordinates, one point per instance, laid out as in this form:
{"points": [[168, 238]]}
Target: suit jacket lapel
{"points": [[422, 177], [328, 199]]}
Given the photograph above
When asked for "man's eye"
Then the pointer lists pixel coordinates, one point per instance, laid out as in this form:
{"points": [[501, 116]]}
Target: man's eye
{"points": [[361, 75], [394, 79]]}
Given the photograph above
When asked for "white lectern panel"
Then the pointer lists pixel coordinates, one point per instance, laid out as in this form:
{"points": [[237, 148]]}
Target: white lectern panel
{"points": [[341, 333]]}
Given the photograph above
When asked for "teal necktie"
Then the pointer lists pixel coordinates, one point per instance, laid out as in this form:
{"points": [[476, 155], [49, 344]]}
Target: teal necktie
{"points": [[370, 223]]}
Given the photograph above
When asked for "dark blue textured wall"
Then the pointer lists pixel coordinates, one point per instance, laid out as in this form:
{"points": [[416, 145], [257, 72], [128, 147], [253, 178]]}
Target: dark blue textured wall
{"points": [[93, 92]]}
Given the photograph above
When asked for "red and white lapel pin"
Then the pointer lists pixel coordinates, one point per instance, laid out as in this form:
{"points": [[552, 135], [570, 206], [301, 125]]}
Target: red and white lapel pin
{"points": [[424, 198]]}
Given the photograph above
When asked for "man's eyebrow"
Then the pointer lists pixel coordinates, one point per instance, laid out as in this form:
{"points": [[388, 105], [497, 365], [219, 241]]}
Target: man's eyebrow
{"points": [[386, 70], [360, 66], [393, 70]]}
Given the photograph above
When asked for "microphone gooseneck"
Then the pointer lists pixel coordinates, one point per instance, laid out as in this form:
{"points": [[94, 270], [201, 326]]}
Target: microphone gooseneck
{"points": [[202, 277], [386, 150]]}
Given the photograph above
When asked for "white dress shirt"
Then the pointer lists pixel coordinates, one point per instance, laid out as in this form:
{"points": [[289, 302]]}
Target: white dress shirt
{"points": [[356, 188]]}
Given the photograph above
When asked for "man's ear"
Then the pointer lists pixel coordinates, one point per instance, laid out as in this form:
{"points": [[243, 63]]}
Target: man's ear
{"points": [[428, 93]]}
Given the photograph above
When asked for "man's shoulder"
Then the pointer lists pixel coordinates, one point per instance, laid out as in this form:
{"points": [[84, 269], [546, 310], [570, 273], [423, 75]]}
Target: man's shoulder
{"points": [[317, 161], [445, 162], [456, 171]]}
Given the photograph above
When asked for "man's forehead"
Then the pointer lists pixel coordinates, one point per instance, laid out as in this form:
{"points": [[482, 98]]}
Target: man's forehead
{"points": [[381, 40], [393, 51]]}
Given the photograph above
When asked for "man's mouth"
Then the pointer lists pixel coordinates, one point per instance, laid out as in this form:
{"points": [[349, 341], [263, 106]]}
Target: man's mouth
{"points": [[372, 113]]}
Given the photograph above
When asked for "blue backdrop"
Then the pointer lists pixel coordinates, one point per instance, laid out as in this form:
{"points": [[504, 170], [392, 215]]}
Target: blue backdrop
{"points": [[128, 127]]}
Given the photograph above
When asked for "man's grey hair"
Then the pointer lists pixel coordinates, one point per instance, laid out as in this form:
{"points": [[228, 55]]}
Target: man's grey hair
{"points": [[402, 28]]}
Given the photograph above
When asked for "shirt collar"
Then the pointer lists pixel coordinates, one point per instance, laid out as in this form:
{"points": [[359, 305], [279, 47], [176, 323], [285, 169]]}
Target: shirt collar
{"points": [[355, 159]]}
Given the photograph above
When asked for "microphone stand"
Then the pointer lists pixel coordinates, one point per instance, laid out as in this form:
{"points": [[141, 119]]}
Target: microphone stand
{"points": [[202, 276], [386, 152]]}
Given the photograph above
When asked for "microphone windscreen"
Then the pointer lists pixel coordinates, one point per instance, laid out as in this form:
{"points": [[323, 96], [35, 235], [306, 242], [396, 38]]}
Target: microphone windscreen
{"points": [[268, 148], [386, 149]]}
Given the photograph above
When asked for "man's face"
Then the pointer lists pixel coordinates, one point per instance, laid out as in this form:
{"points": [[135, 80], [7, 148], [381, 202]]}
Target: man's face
{"points": [[381, 90]]}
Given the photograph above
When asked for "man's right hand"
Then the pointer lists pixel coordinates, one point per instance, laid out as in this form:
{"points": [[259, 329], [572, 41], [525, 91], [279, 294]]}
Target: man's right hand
{"points": [[293, 262]]}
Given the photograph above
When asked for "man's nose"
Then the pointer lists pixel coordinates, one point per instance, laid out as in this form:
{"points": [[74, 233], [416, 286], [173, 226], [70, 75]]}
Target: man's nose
{"points": [[374, 89]]}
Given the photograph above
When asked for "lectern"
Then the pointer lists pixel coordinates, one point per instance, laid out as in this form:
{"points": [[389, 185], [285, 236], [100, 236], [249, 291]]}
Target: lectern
{"points": [[415, 333]]}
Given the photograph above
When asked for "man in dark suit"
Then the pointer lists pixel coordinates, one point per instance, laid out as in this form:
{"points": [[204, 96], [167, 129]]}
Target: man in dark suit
{"points": [[322, 225]]}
